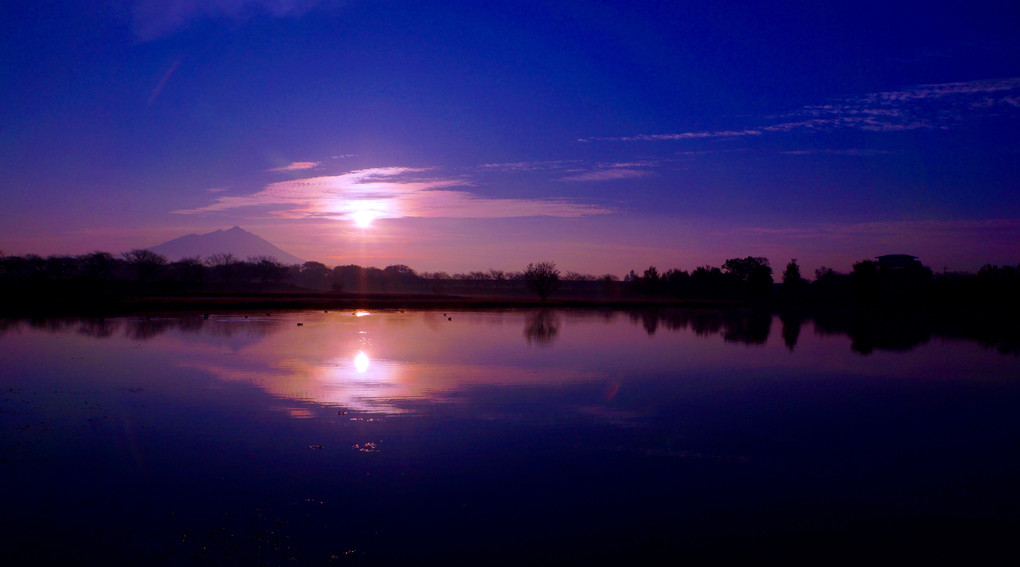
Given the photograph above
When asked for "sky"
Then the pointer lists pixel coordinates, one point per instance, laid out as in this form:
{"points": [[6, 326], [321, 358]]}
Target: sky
{"points": [[604, 136]]}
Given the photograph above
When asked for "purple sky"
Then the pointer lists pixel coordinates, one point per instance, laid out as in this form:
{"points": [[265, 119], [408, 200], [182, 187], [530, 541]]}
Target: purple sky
{"points": [[606, 136]]}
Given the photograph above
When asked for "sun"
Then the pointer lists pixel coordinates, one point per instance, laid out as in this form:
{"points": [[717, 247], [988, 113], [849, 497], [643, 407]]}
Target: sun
{"points": [[364, 211], [364, 218]]}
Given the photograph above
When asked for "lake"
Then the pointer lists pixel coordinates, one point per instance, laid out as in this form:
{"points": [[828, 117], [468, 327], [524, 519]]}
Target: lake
{"points": [[500, 438]]}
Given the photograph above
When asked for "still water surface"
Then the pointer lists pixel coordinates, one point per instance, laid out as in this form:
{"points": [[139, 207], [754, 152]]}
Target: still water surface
{"points": [[494, 437]]}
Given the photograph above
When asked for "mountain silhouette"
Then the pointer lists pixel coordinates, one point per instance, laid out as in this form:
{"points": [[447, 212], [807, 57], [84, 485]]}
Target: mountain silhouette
{"points": [[237, 241]]}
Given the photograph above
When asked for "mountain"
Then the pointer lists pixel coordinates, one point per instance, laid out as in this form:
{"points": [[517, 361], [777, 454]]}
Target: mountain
{"points": [[237, 241]]}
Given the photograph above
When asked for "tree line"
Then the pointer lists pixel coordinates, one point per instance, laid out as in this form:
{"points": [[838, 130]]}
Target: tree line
{"points": [[747, 279]]}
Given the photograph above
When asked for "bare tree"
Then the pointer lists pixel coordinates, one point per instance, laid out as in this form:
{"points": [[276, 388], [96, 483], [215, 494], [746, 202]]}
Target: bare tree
{"points": [[146, 263], [543, 278]]}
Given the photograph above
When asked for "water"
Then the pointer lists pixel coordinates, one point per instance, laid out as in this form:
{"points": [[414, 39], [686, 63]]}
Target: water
{"points": [[499, 437]]}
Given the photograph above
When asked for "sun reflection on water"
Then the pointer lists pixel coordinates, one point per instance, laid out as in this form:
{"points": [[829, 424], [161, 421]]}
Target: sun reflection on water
{"points": [[381, 364], [361, 362]]}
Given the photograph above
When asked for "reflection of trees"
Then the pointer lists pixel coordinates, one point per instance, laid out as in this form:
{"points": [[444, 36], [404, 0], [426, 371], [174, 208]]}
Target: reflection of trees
{"points": [[145, 328], [877, 330], [748, 327], [792, 322], [541, 327], [8, 325], [98, 328]]}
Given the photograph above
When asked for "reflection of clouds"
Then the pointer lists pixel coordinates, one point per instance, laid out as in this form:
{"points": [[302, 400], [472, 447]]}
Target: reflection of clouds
{"points": [[384, 386], [374, 364]]}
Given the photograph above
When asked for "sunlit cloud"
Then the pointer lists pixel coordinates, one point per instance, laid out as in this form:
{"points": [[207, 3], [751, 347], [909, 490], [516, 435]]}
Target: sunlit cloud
{"points": [[391, 192], [152, 19], [923, 107], [296, 166]]}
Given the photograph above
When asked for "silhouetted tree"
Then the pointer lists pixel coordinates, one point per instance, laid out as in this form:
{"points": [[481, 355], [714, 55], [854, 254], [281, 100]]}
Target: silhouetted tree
{"points": [[225, 267], [707, 282], [753, 271], [189, 271], [742, 268], [314, 275], [61, 267], [866, 282], [676, 281], [543, 278], [650, 281], [350, 277], [267, 269], [146, 263], [400, 276], [97, 265], [792, 280]]}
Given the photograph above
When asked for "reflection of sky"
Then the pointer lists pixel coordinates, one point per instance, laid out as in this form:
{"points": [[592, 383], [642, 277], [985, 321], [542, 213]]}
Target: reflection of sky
{"points": [[388, 362], [604, 423], [371, 363]]}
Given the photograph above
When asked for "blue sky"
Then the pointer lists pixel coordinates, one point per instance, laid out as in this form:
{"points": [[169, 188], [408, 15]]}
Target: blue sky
{"points": [[454, 136]]}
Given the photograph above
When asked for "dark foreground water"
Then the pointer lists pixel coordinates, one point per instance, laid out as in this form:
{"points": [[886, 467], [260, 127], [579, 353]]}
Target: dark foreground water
{"points": [[511, 437]]}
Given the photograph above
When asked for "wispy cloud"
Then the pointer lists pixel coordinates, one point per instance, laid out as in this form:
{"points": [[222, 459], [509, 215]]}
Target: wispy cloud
{"points": [[391, 192], [675, 136], [152, 19], [858, 152], [296, 166], [607, 175], [524, 166], [937, 106]]}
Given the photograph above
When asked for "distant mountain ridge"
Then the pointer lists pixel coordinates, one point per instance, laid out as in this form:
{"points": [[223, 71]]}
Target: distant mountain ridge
{"points": [[237, 241]]}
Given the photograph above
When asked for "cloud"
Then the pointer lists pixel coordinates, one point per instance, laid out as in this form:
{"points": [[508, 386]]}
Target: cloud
{"points": [[922, 107], [859, 152], [677, 136], [152, 19], [607, 175], [522, 166], [296, 166], [390, 192]]}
